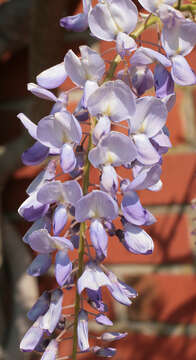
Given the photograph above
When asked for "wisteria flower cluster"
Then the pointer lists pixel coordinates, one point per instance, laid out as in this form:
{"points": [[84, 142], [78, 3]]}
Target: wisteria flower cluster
{"points": [[126, 128]]}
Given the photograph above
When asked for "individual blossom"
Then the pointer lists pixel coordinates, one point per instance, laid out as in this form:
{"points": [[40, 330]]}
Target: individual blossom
{"points": [[178, 39], [52, 77], [103, 320], [96, 206], [82, 330], [89, 67], [120, 291], [64, 195], [133, 210], [153, 6], [115, 22], [51, 318], [149, 118], [78, 22], [61, 131], [136, 240], [95, 300], [45, 244], [32, 337], [146, 56], [31, 209], [113, 336], [41, 223], [113, 149], [51, 351], [163, 82], [92, 278], [141, 78], [40, 265], [113, 99], [145, 177], [40, 307], [104, 352]]}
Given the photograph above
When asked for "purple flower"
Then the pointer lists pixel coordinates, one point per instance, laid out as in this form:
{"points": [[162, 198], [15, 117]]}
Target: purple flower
{"points": [[31, 209], [43, 242], [35, 154], [134, 212], [141, 78], [64, 195], [148, 120], [41, 92], [113, 99], [137, 241], [52, 77], [115, 17], [115, 149], [89, 67], [92, 278], [51, 351], [59, 219], [104, 352], [63, 267], [96, 204], [77, 22], [102, 128], [182, 72], [164, 84], [178, 34], [103, 320], [99, 239], [52, 316], [40, 265], [146, 56], [82, 330], [42, 223], [145, 177], [32, 337], [113, 336], [120, 291], [40, 307], [95, 300], [61, 131], [153, 6], [109, 180], [125, 44], [178, 38], [68, 192]]}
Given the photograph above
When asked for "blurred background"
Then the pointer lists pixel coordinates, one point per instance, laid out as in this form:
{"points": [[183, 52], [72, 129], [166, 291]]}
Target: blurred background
{"points": [[162, 321]]}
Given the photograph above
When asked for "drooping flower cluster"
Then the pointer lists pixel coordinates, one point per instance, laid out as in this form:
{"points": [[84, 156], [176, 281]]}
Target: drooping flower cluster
{"points": [[127, 128]]}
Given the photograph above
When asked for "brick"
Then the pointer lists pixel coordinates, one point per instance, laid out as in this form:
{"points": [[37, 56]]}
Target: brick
{"points": [[165, 298], [144, 347], [141, 347], [179, 181], [172, 244]]}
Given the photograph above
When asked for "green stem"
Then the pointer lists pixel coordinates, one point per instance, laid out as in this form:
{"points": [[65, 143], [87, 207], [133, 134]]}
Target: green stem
{"points": [[112, 68], [81, 249], [152, 20]]}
